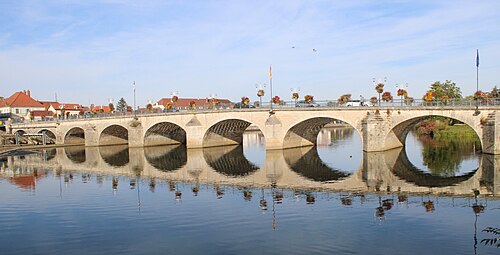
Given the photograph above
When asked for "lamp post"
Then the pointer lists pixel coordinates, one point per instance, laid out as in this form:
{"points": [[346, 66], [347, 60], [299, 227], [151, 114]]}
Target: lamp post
{"points": [[401, 91], [135, 110], [295, 94], [379, 87], [260, 92]]}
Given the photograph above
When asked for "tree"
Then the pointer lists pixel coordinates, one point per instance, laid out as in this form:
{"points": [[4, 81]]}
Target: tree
{"points": [[445, 90], [111, 107], [121, 106], [495, 92]]}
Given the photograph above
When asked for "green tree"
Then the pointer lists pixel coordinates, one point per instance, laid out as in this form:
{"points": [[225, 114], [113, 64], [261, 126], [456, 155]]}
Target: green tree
{"points": [[495, 92], [121, 106], [111, 107], [445, 90]]}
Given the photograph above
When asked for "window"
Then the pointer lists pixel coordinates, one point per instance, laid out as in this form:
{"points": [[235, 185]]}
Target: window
{"points": [[17, 111]]}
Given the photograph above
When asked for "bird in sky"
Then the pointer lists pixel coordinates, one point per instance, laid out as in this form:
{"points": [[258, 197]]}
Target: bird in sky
{"points": [[314, 50]]}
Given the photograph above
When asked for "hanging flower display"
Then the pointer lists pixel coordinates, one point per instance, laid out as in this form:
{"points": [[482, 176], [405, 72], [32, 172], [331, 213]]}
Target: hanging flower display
{"points": [[344, 98], [402, 92], [168, 106], [379, 88], [276, 99], [445, 99], [260, 93], [386, 96], [373, 100], [308, 99], [295, 95], [175, 99], [245, 100], [192, 105], [429, 96]]}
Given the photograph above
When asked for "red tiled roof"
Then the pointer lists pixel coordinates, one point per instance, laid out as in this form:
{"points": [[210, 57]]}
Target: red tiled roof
{"points": [[3, 103], [41, 113], [20, 99], [47, 104], [103, 108], [185, 102]]}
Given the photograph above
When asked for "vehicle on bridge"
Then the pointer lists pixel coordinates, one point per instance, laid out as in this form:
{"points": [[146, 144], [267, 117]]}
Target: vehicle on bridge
{"points": [[303, 103], [240, 106]]}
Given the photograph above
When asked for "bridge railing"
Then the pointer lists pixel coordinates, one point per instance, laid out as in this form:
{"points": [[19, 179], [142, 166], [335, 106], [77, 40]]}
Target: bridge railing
{"points": [[297, 105]]}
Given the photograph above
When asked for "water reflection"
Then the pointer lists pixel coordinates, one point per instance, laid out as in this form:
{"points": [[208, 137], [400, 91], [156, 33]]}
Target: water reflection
{"points": [[229, 160], [166, 158], [115, 155], [306, 162], [301, 168]]}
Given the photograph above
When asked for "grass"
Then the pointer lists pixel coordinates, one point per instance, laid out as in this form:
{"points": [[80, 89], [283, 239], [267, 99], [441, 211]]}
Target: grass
{"points": [[457, 131]]}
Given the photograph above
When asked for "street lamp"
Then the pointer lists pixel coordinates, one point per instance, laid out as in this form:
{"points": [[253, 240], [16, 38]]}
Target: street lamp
{"points": [[295, 94], [401, 91], [379, 87], [260, 92]]}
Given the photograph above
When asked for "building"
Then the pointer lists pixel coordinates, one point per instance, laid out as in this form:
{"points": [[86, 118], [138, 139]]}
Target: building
{"points": [[63, 110], [20, 104], [205, 103]]}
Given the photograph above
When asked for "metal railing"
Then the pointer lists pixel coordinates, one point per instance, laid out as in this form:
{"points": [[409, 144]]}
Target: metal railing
{"points": [[297, 105]]}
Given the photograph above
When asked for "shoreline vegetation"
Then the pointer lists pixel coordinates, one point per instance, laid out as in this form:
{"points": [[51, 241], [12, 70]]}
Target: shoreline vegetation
{"points": [[441, 128]]}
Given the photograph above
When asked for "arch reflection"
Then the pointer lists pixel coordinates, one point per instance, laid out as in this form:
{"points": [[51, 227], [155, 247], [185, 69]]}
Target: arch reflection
{"points": [[166, 158], [306, 162], [115, 155], [229, 160], [75, 153], [405, 170]]}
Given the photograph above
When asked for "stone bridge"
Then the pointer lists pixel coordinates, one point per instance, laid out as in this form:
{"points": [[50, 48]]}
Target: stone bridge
{"points": [[380, 128], [298, 168]]}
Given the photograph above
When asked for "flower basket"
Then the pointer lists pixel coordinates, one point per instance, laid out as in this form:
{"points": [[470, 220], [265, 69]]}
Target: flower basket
{"points": [[373, 100], [308, 99], [295, 95], [402, 92], [192, 105], [379, 88], [276, 100], [260, 93], [429, 96], [409, 100], [386, 96], [245, 100], [344, 98], [174, 99], [168, 106]]}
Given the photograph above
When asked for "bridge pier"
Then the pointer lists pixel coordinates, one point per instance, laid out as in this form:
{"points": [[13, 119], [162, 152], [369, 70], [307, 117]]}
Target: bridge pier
{"points": [[491, 133], [378, 134]]}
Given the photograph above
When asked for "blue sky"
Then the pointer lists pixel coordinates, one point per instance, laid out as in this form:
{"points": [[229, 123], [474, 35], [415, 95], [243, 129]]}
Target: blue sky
{"points": [[90, 51]]}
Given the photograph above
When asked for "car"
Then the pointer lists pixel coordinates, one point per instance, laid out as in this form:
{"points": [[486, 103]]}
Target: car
{"points": [[303, 103], [241, 106], [356, 103]]}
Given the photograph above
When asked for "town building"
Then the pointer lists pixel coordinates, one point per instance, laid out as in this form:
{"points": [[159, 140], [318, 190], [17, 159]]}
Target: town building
{"points": [[19, 105]]}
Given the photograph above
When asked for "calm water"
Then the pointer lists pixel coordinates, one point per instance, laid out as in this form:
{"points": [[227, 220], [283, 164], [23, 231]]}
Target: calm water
{"points": [[333, 199]]}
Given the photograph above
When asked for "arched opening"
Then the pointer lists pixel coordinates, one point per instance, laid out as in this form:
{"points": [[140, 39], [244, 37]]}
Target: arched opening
{"points": [[114, 135], [19, 137], [164, 133], [76, 154], [238, 132], [75, 135], [115, 155], [48, 136], [229, 160], [337, 144], [166, 158], [437, 145]]}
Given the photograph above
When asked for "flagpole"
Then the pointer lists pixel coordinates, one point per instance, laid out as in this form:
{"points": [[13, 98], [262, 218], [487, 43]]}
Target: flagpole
{"points": [[135, 111], [477, 79], [271, 87]]}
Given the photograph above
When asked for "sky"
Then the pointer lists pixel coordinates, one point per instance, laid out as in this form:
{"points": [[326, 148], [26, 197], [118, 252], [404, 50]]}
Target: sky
{"points": [[92, 51]]}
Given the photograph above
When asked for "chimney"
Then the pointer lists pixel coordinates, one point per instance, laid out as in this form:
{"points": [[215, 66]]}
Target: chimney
{"points": [[24, 91], [29, 93]]}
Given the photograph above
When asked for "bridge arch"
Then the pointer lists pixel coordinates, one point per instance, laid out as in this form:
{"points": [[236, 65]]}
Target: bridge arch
{"points": [[305, 132], [166, 158], [226, 132], [75, 135], [19, 136], [164, 133], [396, 136], [49, 134], [114, 135], [116, 156]]}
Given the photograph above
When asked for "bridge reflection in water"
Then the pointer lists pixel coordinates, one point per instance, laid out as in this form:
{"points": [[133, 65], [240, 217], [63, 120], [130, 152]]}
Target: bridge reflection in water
{"points": [[299, 168]]}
